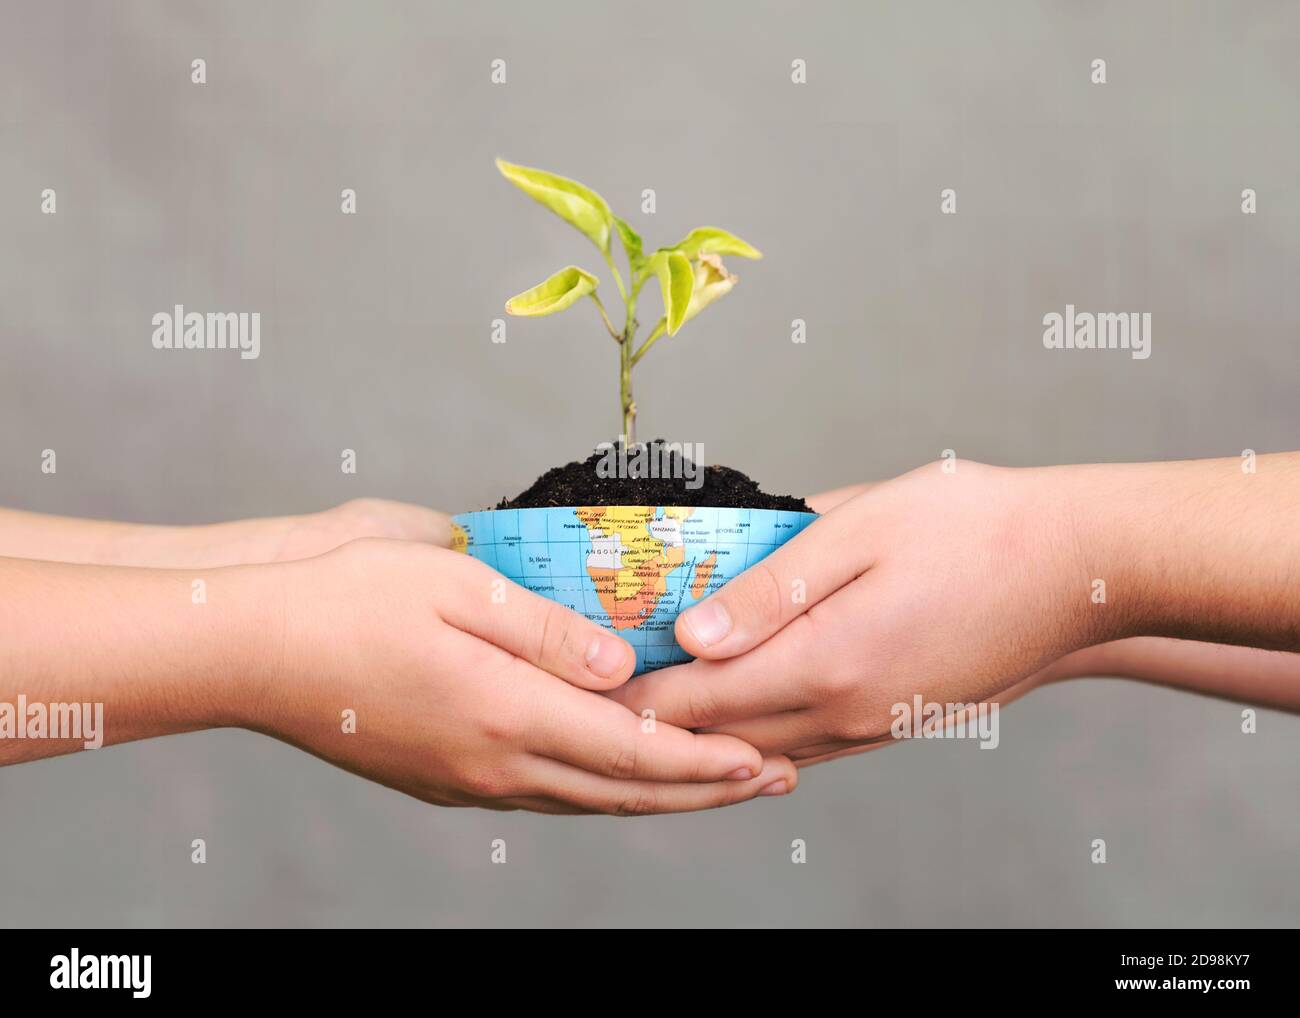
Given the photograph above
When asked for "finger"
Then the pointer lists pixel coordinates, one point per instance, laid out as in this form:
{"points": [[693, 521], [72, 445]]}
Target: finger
{"points": [[767, 595], [381, 517], [531, 803], [605, 738], [601, 794], [418, 523], [768, 680], [825, 501], [544, 633], [820, 750], [779, 733], [543, 804], [808, 755], [837, 754], [826, 749]]}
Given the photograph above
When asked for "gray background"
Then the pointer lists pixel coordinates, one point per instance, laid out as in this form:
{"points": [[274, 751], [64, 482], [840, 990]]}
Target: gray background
{"points": [[924, 334]]}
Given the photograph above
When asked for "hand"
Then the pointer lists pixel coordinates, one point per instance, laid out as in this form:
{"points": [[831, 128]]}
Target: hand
{"points": [[966, 585], [297, 537], [953, 586], [460, 700]]}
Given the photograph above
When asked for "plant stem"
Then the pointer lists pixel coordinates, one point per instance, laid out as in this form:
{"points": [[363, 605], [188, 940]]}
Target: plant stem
{"points": [[627, 404], [627, 407], [625, 390], [659, 330], [618, 279], [608, 324]]}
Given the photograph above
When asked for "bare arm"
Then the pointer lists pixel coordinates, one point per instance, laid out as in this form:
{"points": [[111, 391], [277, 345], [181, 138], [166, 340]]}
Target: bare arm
{"points": [[269, 539], [388, 658], [1233, 672], [136, 652], [1242, 674]]}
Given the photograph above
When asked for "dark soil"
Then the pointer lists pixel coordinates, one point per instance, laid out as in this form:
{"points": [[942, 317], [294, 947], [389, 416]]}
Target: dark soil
{"points": [[665, 478]]}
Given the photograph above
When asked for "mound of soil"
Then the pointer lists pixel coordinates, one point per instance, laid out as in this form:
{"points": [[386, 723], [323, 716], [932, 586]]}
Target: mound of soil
{"points": [[657, 474]]}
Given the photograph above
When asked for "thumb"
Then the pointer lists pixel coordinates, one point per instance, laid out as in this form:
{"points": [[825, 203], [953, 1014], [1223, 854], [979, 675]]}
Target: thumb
{"points": [[543, 632], [769, 594]]}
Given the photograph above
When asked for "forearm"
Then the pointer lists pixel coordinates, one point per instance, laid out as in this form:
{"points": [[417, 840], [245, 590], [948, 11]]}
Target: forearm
{"points": [[239, 542], [162, 651], [106, 542], [1270, 678], [1194, 550]]}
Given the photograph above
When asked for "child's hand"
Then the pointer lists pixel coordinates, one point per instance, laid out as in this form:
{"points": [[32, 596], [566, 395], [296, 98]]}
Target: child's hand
{"points": [[954, 588], [296, 537], [462, 698]]}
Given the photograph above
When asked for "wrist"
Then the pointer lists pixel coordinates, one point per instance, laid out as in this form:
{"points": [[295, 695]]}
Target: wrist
{"points": [[234, 543], [1094, 660], [218, 653], [1103, 517], [195, 546], [1073, 561], [1198, 550], [289, 647], [256, 644]]}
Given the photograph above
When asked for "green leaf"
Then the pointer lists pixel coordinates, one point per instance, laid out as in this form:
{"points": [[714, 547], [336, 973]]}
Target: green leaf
{"points": [[712, 240], [677, 281], [571, 201], [555, 294], [631, 244]]}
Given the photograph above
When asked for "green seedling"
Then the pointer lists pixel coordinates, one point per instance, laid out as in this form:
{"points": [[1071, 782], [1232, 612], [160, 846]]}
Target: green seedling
{"points": [[691, 273]]}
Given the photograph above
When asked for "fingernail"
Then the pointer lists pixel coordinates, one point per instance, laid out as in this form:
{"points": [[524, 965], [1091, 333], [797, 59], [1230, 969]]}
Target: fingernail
{"points": [[606, 655], [708, 622], [775, 788], [741, 774]]}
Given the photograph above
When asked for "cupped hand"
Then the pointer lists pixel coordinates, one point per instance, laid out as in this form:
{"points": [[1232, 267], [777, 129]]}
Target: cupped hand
{"points": [[297, 537], [959, 584], [463, 689]]}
